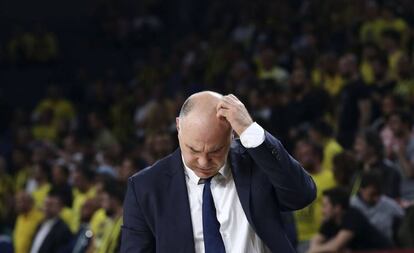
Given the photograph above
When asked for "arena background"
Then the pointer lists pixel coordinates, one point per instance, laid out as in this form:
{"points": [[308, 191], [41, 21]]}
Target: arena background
{"points": [[89, 92]]}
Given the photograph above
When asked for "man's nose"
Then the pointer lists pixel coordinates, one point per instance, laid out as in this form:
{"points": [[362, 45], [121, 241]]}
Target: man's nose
{"points": [[203, 160]]}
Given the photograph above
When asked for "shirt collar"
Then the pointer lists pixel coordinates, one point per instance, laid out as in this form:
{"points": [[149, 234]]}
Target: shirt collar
{"points": [[223, 172]]}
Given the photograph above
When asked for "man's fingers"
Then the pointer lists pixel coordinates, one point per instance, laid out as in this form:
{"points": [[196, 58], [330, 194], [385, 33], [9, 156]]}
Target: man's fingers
{"points": [[230, 100], [222, 104], [234, 98], [222, 113]]}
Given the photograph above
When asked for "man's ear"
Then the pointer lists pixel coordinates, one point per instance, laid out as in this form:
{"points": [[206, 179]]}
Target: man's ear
{"points": [[177, 124]]}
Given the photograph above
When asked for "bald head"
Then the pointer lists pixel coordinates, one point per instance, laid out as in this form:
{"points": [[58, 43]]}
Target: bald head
{"points": [[200, 110], [203, 137], [202, 101]]}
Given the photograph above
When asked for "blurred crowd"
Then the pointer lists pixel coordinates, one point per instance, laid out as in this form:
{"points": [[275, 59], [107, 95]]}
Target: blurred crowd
{"points": [[333, 80]]}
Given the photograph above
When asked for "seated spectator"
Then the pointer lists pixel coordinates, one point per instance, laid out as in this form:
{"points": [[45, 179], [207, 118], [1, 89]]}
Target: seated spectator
{"points": [[53, 234], [306, 103], [308, 220], [369, 150], [406, 230], [322, 133], [83, 188], [21, 167], [345, 227], [402, 152], [354, 101], [111, 200], [60, 179], [60, 109], [383, 212], [267, 68], [157, 145], [28, 218], [345, 171], [83, 237], [389, 104], [391, 41], [327, 76], [129, 167], [405, 81], [103, 139], [44, 129], [42, 175]]}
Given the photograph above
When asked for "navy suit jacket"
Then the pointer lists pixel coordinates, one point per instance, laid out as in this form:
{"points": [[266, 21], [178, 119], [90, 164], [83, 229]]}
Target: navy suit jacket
{"points": [[268, 181]]}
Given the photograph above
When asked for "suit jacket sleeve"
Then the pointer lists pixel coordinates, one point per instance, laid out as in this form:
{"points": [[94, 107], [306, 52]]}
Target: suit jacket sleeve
{"points": [[136, 235], [294, 187]]}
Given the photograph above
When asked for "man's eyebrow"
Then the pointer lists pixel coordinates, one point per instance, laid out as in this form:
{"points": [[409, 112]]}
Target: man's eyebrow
{"points": [[192, 149], [217, 149]]}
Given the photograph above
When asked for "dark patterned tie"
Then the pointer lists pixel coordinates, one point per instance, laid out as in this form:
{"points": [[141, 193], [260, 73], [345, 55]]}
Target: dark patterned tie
{"points": [[213, 243]]}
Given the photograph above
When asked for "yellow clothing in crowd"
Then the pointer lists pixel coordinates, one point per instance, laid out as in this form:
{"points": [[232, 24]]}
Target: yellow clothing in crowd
{"points": [[62, 108], [333, 84], [405, 89], [45, 132], [20, 179], [100, 223], [393, 60], [106, 232], [40, 194], [24, 229], [371, 30], [79, 199], [309, 219], [67, 216], [111, 236], [277, 74], [367, 72], [330, 149]]}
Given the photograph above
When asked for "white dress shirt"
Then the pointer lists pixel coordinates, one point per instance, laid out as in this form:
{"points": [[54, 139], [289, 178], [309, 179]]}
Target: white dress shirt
{"points": [[238, 236]]}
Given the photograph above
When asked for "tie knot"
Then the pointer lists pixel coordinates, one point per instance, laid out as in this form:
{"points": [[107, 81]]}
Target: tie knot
{"points": [[205, 180]]}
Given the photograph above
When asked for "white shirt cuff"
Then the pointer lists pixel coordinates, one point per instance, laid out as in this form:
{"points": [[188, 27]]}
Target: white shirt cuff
{"points": [[253, 136]]}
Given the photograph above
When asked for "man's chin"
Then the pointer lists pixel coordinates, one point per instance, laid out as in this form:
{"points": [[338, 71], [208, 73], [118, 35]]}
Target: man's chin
{"points": [[206, 173]]}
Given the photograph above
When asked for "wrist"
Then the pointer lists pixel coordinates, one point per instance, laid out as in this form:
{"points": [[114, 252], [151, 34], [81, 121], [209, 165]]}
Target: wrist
{"points": [[243, 128]]}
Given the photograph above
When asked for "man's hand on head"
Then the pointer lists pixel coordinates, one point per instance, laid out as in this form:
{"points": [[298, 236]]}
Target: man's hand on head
{"points": [[233, 110]]}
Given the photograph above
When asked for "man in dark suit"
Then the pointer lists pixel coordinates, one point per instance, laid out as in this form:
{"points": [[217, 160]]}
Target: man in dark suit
{"points": [[216, 194], [52, 234]]}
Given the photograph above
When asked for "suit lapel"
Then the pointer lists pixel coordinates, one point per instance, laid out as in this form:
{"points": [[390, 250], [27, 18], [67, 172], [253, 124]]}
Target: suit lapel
{"points": [[241, 170], [180, 227]]}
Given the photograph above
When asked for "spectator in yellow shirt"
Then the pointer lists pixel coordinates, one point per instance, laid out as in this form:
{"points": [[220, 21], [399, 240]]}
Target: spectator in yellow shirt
{"points": [[62, 110], [84, 188], [112, 200], [327, 76], [370, 30], [405, 83], [267, 68], [391, 43], [28, 218], [309, 219], [42, 175], [322, 133], [21, 168]]}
